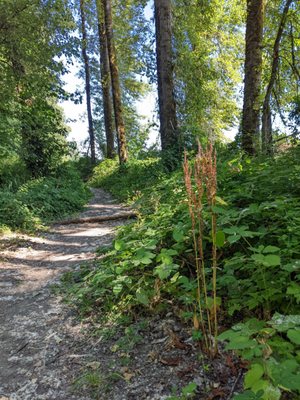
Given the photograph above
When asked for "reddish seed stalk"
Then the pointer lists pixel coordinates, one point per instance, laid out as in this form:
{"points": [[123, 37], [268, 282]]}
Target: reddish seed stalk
{"points": [[192, 202], [205, 177]]}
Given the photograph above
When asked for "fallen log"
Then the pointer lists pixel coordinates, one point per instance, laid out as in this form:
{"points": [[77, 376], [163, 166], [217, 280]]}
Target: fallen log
{"points": [[100, 218]]}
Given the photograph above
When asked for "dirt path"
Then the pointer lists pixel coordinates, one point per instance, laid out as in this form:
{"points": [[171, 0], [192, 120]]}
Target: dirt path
{"points": [[39, 337]]}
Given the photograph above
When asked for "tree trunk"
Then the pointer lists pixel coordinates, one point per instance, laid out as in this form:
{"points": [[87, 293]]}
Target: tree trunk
{"points": [[105, 82], [167, 105], [253, 68], [266, 132], [87, 81], [115, 83]]}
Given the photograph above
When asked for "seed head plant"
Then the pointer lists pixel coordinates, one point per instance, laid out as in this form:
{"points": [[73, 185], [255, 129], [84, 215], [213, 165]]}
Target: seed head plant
{"points": [[200, 180]]}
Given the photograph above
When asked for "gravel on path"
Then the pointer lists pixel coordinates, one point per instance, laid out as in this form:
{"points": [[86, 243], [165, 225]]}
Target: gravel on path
{"points": [[39, 336]]}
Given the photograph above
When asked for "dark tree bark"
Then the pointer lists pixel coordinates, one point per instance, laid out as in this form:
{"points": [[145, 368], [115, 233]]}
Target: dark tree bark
{"points": [[252, 81], [115, 83], [167, 105], [105, 82], [87, 80], [266, 131]]}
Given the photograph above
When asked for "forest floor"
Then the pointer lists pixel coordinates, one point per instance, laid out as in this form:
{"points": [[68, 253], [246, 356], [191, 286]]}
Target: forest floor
{"points": [[47, 353]]}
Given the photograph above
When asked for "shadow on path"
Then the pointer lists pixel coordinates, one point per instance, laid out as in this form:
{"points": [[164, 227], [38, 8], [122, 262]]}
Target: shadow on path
{"points": [[39, 337]]}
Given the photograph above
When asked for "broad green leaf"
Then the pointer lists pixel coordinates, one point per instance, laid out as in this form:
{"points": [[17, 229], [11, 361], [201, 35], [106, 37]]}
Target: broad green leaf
{"points": [[189, 389], [272, 260], [294, 336], [271, 393], [144, 256], [165, 270], [234, 238], [232, 230], [166, 256], [260, 384], [253, 375], [271, 249], [284, 374], [241, 342], [178, 236], [294, 290], [119, 245], [249, 395], [249, 327], [220, 239]]}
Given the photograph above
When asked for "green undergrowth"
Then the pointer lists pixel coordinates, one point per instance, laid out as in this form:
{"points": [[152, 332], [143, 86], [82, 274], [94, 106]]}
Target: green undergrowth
{"points": [[150, 267], [134, 179], [42, 200]]}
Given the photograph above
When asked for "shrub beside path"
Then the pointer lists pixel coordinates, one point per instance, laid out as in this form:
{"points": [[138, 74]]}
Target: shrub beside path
{"points": [[41, 342]]}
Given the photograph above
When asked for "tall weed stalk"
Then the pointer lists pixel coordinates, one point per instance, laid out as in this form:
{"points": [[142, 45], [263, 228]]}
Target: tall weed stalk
{"points": [[201, 180]]}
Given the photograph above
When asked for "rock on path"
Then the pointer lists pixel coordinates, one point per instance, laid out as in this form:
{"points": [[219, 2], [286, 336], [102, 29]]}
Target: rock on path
{"points": [[40, 341]]}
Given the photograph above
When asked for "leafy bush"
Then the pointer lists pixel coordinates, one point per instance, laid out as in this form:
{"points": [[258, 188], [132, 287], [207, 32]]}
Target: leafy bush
{"points": [[128, 182], [43, 200], [14, 213], [12, 171], [272, 348]]}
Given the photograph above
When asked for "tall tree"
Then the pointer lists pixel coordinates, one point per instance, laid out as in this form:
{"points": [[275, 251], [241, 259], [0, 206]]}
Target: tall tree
{"points": [[87, 80], [105, 82], [33, 35], [209, 42], [253, 71], [266, 113], [115, 83], [164, 59]]}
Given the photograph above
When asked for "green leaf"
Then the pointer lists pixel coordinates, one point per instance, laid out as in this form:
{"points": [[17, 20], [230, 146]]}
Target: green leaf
{"points": [[234, 238], [178, 236], [271, 393], [119, 245], [294, 336], [240, 343], [294, 290], [189, 389], [282, 323], [165, 270], [249, 395], [284, 374], [272, 260], [142, 297], [117, 289], [259, 258], [250, 327], [220, 239], [294, 265], [271, 249], [253, 375], [144, 256], [219, 200]]}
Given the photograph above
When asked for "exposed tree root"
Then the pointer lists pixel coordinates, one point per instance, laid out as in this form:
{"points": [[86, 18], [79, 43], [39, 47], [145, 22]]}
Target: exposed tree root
{"points": [[100, 218]]}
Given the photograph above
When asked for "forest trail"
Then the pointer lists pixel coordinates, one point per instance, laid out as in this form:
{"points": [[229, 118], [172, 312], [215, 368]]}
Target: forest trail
{"points": [[41, 341]]}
